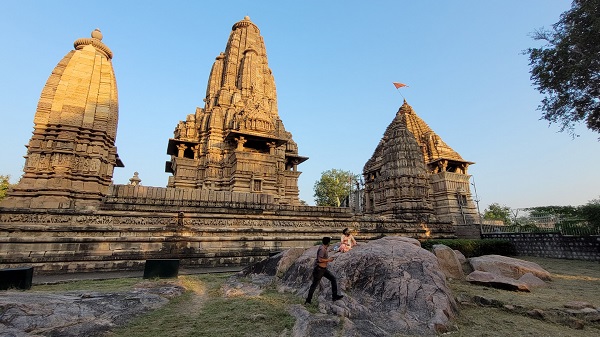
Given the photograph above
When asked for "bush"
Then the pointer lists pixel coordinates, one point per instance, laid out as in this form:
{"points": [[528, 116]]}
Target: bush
{"points": [[472, 248]]}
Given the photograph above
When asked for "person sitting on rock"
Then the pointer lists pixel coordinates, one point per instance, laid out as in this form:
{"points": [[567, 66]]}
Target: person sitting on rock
{"points": [[347, 241], [321, 270]]}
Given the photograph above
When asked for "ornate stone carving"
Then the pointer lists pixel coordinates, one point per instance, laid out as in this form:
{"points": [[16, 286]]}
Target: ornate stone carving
{"points": [[76, 117], [435, 172], [238, 132]]}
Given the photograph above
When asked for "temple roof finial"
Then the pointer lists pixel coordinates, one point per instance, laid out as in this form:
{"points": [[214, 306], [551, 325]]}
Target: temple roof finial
{"points": [[96, 41], [97, 34]]}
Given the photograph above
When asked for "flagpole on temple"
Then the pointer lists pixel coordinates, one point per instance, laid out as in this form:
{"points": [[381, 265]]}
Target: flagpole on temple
{"points": [[398, 86]]}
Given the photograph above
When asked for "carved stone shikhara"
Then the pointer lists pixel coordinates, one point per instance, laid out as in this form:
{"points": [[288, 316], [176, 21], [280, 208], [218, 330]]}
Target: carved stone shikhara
{"points": [[71, 155], [237, 142], [413, 173]]}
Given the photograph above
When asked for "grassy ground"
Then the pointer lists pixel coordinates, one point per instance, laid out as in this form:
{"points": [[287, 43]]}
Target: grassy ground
{"points": [[203, 311], [572, 281]]}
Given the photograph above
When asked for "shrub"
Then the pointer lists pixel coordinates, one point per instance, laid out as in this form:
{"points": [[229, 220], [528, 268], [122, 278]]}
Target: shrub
{"points": [[472, 247]]}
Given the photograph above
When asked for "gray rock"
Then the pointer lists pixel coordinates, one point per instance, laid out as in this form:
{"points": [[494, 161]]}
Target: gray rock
{"points": [[508, 266], [288, 258], [391, 286], [75, 313], [466, 266], [583, 311], [487, 302], [537, 313], [313, 325], [449, 262], [276, 265], [496, 281], [532, 281], [578, 305]]}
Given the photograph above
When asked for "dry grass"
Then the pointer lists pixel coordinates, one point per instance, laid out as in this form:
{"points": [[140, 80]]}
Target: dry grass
{"points": [[203, 311], [573, 280]]}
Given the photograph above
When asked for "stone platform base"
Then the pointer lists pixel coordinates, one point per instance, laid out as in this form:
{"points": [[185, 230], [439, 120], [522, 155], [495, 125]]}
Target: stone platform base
{"points": [[127, 230]]}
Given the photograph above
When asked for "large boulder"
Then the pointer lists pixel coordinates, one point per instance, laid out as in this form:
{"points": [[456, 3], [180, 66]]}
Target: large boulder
{"points": [[508, 266], [276, 265], [466, 266], [496, 281], [532, 281], [449, 262], [391, 286], [72, 314]]}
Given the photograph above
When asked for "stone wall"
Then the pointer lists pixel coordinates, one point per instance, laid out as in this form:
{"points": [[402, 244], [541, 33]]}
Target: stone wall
{"points": [[553, 245], [136, 223], [472, 231]]}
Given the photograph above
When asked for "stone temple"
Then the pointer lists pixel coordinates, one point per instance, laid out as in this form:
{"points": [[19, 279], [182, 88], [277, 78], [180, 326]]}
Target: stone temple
{"points": [[414, 174], [237, 142], [71, 155], [232, 198]]}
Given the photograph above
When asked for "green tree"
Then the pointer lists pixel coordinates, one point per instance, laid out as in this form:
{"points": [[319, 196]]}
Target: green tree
{"points": [[591, 213], [566, 211], [497, 212], [4, 185], [333, 187], [566, 70]]}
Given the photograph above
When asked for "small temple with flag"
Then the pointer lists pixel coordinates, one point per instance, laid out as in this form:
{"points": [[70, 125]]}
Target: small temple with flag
{"points": [[413, 173]]}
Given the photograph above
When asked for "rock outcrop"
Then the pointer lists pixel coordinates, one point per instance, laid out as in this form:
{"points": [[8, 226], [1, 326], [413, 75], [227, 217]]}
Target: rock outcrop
{"points": [[466, 266], [449, 262], [496, 281], [507, 273], [391, 285], [508, 266], [73, 314]]}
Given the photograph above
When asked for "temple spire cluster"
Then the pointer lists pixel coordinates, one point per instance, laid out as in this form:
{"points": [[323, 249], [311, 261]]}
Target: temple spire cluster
{"points": [[237, 142]]}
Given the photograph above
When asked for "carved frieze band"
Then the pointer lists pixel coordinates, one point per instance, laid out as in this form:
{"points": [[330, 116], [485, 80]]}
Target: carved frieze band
{"points": [[203, 223]]}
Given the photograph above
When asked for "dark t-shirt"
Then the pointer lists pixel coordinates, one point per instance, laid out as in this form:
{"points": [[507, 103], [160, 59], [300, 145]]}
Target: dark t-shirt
{"points": [[322, 253]]}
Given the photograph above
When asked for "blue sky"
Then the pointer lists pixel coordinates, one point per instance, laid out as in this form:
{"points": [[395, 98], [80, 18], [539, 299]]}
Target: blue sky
{"points": [[334, 63]]}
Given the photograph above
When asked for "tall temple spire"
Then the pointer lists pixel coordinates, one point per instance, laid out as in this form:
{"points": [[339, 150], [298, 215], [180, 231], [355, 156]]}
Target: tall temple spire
{"points": [[72, 154], [237, 142]]}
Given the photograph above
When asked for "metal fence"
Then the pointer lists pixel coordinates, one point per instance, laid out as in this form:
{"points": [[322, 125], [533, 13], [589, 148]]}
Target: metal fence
{"points": [[543, 224]]}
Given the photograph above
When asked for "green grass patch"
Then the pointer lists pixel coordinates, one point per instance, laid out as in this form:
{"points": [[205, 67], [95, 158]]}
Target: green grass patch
{"points": [[111, 285], [202, 311], [258, 316]]}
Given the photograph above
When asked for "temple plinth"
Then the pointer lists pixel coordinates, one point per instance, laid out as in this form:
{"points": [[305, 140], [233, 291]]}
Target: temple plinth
{"points": [[237, 142]]}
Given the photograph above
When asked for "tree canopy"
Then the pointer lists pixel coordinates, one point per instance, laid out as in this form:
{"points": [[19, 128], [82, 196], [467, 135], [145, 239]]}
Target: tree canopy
{"points": [[586, 215], [567, 211], [333, 187], [497, 212], [591, 213], [566, 70], [4, 185]]}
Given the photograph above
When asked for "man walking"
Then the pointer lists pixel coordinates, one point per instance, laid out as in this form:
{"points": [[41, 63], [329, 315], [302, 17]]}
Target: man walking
{"points": [[321, 270]]}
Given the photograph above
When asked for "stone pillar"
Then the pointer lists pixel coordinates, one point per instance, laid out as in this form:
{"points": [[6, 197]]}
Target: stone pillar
{"points": [[240, 143], [181, 149]]}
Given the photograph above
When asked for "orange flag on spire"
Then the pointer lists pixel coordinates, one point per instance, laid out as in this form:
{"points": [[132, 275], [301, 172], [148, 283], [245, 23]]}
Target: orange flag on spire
{"points": [[399, 85]]}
